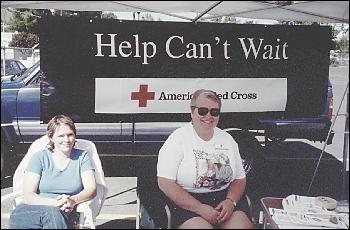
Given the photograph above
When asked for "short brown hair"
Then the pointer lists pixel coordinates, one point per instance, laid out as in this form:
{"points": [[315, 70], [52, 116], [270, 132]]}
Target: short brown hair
{"points": [[207, 94]]}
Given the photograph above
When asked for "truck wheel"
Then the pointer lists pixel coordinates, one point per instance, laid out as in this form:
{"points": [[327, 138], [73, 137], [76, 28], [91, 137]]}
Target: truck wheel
{"points": [[250, 150]]}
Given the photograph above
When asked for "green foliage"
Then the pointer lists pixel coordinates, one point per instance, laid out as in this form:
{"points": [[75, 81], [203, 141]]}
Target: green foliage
{"points": [[24, 21], [343, 44], [6, 29], [24, 40], [341, 32], [281, 22], [224, 19], [109, 15], [249, 22], [70, 13], [147, 17]]}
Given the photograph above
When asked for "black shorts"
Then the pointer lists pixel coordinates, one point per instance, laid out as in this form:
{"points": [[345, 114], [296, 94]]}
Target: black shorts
{"points": [[180, 215]]}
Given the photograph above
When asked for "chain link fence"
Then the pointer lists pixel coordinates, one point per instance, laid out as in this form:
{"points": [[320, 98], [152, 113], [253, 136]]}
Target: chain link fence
{"points": [[339, 58], [343, 58]]}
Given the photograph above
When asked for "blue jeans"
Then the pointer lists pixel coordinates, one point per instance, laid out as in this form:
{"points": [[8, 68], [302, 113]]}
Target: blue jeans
{"points": [[37, 217]]}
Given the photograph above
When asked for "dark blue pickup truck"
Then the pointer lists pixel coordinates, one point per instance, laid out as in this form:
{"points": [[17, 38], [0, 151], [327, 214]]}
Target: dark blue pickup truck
{"points": [[20, 123]]}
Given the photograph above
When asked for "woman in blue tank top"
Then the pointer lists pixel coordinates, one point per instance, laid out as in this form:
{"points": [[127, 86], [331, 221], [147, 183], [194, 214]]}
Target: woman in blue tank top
{"points": [[55, 181]]}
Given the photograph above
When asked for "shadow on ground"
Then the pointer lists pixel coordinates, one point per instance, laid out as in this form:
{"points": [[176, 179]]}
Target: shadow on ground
{"points": [[118, 224]]}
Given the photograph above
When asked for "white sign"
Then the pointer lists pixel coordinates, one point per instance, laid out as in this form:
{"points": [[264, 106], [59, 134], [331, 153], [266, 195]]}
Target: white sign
{"points": [[173, 95]]}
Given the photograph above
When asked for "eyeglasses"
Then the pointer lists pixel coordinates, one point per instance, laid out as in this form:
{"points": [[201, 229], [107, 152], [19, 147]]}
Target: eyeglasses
{"points": [[204, 111]]}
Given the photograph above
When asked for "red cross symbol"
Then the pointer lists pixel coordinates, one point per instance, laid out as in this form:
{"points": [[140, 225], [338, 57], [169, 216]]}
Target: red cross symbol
{"points": [[143, 95]]}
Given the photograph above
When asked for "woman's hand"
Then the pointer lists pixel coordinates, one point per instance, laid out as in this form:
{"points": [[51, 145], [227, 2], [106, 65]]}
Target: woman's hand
{"points": [[225, 208], [65, 203], [61, 199], [209, 213]]}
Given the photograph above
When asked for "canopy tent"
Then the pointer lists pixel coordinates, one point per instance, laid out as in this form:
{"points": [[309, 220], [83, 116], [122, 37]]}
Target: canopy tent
{"points": [[312, 11]]}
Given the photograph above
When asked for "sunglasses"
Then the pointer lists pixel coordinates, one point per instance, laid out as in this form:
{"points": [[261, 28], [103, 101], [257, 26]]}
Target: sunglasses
{"points": [[204, 111]]}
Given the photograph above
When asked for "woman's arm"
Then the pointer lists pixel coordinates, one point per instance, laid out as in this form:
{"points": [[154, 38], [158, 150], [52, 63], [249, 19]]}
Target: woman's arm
{"points": [[236, 190], [30, 186], [234, 194], [89, 191], [184, 200]]}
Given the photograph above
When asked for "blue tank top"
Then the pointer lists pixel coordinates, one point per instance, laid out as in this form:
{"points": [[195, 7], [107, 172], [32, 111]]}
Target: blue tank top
{"points": [[53, 181]]}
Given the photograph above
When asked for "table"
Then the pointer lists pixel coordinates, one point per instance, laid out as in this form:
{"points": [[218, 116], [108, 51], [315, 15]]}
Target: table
{"points": [[275, 202], [266, 203]]}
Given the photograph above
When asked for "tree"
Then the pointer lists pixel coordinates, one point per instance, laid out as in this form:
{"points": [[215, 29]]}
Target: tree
{"points": [[341, 37], [109, 15], [70, 13], [147, 17], [343, 44], [26, 22], [224, 19], [24, 40]]}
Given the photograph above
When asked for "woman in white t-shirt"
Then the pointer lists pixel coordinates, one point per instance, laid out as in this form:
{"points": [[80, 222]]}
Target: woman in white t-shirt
{"points": [[200, 170]]}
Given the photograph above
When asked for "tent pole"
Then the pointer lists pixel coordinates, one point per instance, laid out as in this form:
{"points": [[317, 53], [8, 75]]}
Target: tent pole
{"points": [[326, 141], [345, 152], [206, 11]]}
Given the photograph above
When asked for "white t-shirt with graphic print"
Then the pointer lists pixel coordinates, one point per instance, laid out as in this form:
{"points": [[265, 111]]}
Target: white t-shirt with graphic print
{"points": [[200, 166]]}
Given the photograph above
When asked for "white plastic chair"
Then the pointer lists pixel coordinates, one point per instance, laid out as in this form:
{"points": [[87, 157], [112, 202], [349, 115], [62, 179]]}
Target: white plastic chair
{"points": [[88, 210]]}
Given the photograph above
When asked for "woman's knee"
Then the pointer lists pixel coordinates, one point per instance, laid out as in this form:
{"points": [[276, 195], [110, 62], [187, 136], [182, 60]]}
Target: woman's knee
{"points": [[37, 216], [196, 223], [52, 217], [51, 210], [54, 214], [238, 220]]}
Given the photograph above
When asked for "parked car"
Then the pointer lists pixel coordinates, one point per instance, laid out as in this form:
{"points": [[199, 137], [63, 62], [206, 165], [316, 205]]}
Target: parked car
{"points": [[12, 68], [21, 109]]}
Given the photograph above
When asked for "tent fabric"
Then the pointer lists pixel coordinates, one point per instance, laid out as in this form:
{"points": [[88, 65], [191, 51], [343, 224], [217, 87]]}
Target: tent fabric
{"points": [[312, 11]]}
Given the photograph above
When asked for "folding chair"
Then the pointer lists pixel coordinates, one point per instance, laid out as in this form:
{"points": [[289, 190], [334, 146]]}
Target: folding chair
{"points": [[153, 211], [88, 210]]}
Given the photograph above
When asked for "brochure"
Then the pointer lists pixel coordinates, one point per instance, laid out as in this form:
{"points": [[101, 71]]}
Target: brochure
{"points": [[302, 212]]}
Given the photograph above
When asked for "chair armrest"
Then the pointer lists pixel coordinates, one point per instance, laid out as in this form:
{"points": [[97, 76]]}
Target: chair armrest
{"points": [[250, 205], [168, 214], [82, 207], [10, 198], [86, 219]]}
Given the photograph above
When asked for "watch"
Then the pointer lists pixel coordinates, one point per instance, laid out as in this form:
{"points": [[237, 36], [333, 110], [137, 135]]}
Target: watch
{"points": [[234, 202]]}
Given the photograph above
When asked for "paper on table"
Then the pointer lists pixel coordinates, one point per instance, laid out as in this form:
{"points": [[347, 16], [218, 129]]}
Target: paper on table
{"points": [[302, 211], [285, 218]]}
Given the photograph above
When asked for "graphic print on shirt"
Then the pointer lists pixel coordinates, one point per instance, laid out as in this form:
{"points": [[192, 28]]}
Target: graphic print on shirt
{"points": [[212, 170]]}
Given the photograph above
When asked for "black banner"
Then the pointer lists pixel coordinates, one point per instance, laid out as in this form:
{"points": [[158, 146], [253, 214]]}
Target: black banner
{"points": [[75, 51]]}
